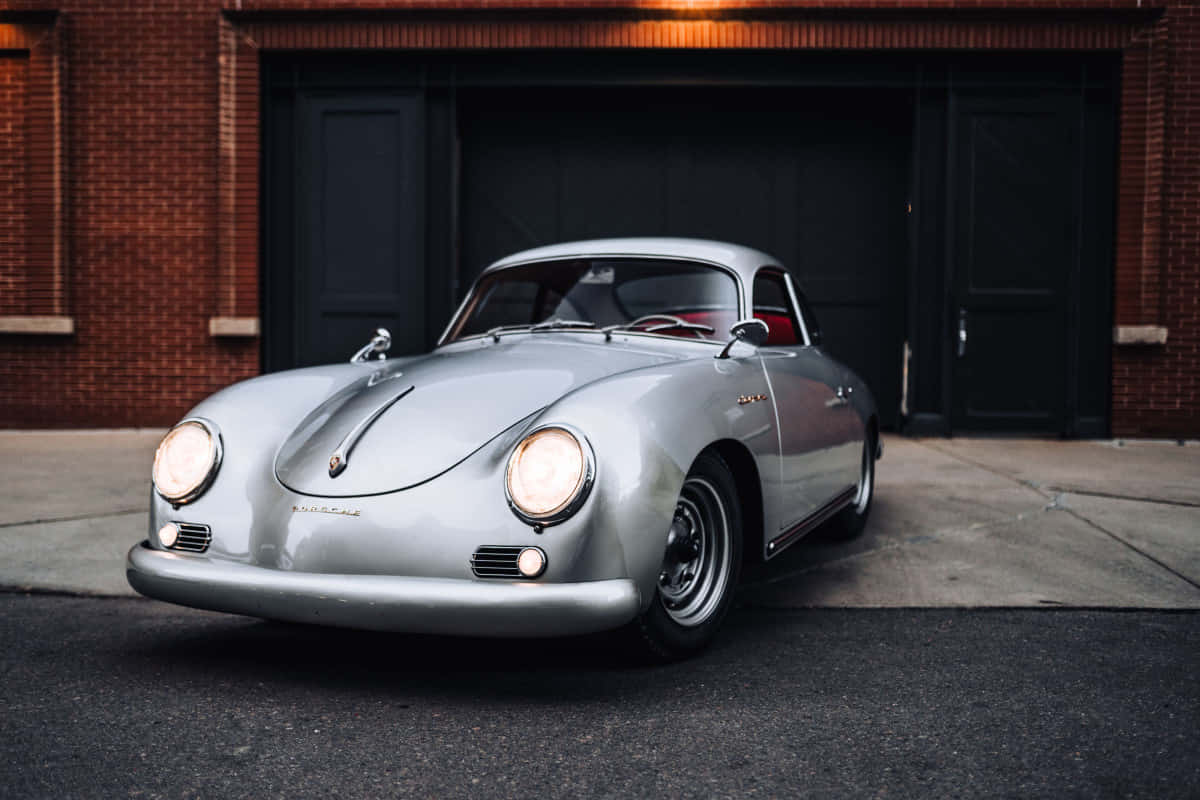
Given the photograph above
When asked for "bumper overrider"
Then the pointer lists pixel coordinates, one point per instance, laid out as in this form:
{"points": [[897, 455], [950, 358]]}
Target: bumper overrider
{"points": [[383, 602]]}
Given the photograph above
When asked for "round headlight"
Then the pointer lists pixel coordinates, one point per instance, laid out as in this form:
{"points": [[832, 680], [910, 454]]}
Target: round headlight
{"points": [[187, 460], [549, 474]]}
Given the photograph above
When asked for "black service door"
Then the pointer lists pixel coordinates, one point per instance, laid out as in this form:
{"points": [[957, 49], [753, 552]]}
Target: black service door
{"points": [[359, 209], [1013, 220]]}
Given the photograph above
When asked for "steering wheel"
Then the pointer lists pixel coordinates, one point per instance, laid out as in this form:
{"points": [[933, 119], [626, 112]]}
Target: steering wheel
{"points": [[670, 321]]}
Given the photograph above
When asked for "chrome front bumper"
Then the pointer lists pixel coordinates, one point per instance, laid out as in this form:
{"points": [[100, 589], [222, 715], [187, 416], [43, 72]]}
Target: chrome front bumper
{"points": [[381, 602]]}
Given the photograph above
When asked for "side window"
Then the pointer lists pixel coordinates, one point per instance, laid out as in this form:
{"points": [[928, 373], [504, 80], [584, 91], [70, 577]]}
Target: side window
{"points": [[773, 306], [810, 322]]}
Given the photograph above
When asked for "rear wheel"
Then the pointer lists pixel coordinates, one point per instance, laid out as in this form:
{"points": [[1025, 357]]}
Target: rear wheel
{"points": [[700, 564], [851, 520]]}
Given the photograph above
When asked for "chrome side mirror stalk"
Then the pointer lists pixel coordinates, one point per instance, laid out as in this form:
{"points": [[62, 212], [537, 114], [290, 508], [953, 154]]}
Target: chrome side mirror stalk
{"points": [[751, 331], [380, 343]]}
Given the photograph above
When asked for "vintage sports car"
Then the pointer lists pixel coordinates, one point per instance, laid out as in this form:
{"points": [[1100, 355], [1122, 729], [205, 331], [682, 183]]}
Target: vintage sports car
{"points": [[602, 434]]}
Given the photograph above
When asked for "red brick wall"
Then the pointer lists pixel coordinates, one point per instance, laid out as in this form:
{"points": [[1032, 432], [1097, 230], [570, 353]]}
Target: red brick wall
{"points": [[13, 76], [1156, 390], [160, 194], [141, 226]]}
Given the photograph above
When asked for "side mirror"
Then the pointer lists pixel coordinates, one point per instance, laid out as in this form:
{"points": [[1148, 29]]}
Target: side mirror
{"points": [[815, 338], [751, 331], [380, 343]]}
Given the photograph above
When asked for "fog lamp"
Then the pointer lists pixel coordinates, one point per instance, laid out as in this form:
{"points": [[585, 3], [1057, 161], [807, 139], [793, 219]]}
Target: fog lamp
{"points": [[168, 534], [531, 562]]}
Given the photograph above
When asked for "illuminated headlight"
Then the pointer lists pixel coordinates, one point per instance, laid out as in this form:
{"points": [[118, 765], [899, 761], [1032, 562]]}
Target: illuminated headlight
{"points": [[187, 460], [549, 475]]}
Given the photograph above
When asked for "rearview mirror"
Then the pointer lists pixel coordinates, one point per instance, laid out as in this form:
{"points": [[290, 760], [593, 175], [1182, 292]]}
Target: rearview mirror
{"points": [[380, 343], [751, 331]]}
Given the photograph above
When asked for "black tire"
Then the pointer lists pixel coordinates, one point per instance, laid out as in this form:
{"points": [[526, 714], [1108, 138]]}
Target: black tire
{"points": [[850, 521], [686, 613]]}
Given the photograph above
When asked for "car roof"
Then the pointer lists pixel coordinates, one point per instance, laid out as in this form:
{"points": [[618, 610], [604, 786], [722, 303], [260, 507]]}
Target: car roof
{"points": [[745, 261]]}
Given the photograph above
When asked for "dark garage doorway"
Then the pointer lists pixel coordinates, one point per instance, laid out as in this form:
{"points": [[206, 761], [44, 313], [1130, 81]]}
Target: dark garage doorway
{"points": [[890, 189], [817, 178]]}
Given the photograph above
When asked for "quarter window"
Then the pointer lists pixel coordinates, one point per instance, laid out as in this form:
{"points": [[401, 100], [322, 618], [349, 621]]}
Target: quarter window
{"points": [[773, 305]]}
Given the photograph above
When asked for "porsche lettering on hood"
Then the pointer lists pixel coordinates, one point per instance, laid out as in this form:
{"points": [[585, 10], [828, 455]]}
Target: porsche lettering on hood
{"points": [[439, 410]]}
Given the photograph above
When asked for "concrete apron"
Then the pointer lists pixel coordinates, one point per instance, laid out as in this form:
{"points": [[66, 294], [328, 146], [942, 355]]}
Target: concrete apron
{"points": [[961, 522]]}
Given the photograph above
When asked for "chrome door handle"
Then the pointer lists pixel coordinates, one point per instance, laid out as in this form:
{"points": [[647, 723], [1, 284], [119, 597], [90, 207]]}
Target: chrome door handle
{"points": [[842, 398], [962, 332]]}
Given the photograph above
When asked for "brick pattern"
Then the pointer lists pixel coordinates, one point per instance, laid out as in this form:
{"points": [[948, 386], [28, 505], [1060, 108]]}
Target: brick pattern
{"points": [[237, 221], [1156, 390], [142, 182], [32, 266], [46, 263], [163, 143], [1138, 265], [822, 34], [14, 68], [695, 6]]}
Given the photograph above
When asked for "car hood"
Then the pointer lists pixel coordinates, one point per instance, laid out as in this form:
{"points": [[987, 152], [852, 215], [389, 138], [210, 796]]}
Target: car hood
{"points": [[409, 421]]}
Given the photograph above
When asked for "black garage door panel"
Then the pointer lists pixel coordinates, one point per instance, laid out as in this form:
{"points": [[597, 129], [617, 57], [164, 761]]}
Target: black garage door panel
{"points": [[361, 191], [816, 178], [906, 193]]}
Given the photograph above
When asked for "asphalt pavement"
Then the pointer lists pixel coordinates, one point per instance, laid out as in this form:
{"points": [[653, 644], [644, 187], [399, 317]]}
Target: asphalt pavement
{"points": [[125, 698]]}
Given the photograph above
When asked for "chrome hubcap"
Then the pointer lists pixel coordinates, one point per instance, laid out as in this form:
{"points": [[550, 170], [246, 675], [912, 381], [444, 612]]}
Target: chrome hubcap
{"points": [[696, 563]]}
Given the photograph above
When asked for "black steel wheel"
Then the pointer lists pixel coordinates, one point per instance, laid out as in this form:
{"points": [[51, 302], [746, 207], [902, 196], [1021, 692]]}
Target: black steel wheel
{"points": [[700, 567]]}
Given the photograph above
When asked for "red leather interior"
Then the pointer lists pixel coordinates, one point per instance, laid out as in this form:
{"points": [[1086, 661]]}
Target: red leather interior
{"points": [[783, 332]]}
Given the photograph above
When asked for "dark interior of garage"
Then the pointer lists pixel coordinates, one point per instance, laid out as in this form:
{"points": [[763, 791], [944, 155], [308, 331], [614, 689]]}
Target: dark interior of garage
{"points": [[949, 217]]}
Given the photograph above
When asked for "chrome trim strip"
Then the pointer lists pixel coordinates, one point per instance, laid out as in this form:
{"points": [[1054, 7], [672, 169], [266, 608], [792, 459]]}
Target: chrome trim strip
{"points": [[787, 279], [806, 525], [659, 336], [341, 456]]}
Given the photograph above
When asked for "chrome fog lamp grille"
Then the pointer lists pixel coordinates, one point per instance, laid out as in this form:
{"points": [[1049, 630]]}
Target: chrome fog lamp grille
{"points": [[496, 561], [192, 537]]}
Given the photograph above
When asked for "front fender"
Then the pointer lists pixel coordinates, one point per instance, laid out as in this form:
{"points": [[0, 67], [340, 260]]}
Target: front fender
{"points": [[647, 427]]}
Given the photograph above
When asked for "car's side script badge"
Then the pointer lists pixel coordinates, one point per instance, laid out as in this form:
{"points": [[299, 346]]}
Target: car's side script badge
{"points": [[342, 512], [750, 398]]}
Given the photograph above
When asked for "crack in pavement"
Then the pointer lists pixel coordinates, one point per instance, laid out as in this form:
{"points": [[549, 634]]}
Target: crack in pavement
{"points": [[76, 518], [1130, 545], [1057, 505], [1112, 496]]}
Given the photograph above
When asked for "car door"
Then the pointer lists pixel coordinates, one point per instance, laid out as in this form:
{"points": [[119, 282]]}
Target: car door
{"points": [[819, 433]]}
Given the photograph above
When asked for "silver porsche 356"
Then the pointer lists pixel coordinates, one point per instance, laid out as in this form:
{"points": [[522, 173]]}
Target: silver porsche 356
{"points": [[602, 434]]}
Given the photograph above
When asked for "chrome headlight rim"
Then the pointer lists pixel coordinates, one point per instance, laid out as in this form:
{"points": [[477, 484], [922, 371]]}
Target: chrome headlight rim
{"points": [[214, 435], [569, 507]]}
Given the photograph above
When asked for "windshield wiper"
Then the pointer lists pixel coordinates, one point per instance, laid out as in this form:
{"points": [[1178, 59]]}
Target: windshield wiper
{"points": [[555, 323], [499, 329], [548, 325]]}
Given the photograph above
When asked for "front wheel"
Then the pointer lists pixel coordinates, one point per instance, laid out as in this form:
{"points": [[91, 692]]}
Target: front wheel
{"points": [[700, 565]]}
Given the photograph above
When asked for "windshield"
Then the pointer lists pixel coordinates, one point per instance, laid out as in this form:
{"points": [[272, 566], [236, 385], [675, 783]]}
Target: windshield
{"points": [[674, 298]]}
